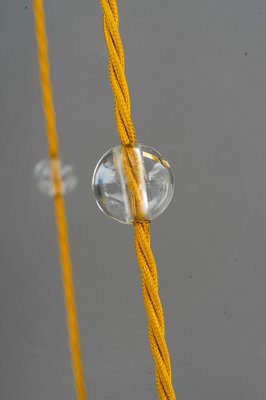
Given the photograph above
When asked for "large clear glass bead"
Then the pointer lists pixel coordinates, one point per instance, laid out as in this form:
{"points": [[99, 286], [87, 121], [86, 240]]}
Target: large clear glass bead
{"points": [[43, 174], [112, 183]]}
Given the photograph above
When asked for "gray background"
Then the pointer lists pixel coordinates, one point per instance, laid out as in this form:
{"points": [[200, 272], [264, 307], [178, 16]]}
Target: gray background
{"points": [[196, 70]]}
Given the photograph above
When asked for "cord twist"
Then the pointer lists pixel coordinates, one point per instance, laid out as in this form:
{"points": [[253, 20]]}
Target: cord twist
{"points": [[116, 65], [144, 254]]}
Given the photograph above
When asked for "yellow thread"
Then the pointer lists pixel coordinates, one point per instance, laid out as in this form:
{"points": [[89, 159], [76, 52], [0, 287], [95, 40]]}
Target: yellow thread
{"points": [[142, 233], [59, 206], [132, 171]]}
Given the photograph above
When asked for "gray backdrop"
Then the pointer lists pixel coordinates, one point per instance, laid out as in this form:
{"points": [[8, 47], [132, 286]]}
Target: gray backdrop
{"points": [[196, 71]]}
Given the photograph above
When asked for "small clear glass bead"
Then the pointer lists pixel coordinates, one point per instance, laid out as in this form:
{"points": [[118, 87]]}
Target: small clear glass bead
{"points": [[111, 183], [43, 172]]}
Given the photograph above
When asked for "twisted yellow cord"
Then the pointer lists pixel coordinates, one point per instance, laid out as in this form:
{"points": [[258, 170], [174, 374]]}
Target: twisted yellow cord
{"points": [[142, 233], [59, 206], [116, 70]]}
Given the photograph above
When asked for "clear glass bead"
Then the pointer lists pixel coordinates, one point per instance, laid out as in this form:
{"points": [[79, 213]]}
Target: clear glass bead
{"points": [[43, 174], [112, 183]]}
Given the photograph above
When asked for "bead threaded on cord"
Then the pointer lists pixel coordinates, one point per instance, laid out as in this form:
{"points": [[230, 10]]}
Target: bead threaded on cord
{"points": [[54, 176], [133, 183]]}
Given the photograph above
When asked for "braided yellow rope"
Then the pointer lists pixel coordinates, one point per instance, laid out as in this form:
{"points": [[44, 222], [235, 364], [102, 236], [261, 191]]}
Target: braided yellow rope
{"points": [[142, 233], [59, 206], [116, 69]]}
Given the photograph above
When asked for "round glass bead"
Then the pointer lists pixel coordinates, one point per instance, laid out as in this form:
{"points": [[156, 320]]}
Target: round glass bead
{"points": [[43, 173], [112, 183]]}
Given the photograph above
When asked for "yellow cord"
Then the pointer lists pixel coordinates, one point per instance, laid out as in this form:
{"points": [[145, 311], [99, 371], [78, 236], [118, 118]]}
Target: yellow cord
{"points": [[142, 233], [59, 206]]}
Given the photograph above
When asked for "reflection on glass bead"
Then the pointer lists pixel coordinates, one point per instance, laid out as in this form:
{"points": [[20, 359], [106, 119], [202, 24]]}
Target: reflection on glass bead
{"points": [[42, 174], [112, 183]]}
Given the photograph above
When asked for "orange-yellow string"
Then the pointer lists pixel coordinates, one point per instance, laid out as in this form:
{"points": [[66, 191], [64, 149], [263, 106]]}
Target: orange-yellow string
{"points": [[59, 206], [144, 254]]}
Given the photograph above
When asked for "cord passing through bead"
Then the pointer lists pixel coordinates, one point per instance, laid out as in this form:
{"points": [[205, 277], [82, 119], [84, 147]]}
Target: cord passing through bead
{"points": [[133, 183]]}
